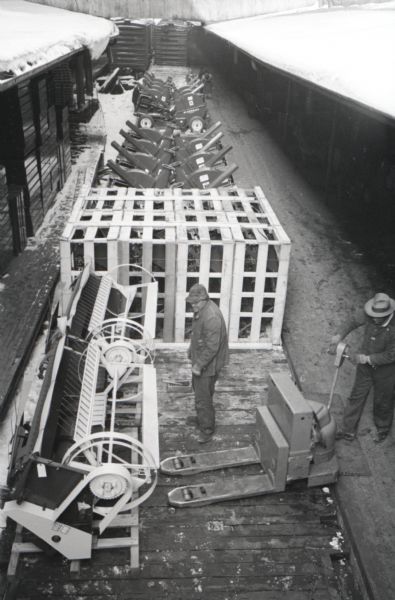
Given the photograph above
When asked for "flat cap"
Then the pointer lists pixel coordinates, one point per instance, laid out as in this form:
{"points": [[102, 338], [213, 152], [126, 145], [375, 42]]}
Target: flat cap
{"points": [[196, 293]]}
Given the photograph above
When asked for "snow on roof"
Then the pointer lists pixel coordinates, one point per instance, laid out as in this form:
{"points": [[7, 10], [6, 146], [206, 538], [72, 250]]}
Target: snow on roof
{"points": [[33, 34], [350, 51]]}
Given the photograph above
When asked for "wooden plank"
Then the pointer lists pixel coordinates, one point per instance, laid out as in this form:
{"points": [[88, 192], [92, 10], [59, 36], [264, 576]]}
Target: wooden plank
{"points": [[109, 81], [150, 424]]}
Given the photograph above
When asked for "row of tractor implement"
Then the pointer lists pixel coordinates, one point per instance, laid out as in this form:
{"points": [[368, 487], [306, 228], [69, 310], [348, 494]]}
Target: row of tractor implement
{"points": [[163, 151], [160, 101]]}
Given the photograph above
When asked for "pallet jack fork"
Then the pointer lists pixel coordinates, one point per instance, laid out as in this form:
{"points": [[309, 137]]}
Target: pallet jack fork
{"points": [[294, 439]]}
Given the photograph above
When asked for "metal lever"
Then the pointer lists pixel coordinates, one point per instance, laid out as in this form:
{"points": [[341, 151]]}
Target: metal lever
{"points": [[339, 359]]}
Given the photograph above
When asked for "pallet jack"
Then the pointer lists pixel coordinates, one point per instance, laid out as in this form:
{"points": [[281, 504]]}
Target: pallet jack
{"points": [[294, 439]]}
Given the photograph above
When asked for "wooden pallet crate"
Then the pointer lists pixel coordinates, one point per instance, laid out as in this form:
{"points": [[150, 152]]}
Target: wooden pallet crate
{"points": [[17, 127], [259, 282], [17, 215], [228, 239], [125, 250], [205, 253]]}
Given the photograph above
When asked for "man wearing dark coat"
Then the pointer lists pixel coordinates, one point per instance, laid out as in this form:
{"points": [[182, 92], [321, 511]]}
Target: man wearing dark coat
{"points": [[375, 367], [208, 352]]}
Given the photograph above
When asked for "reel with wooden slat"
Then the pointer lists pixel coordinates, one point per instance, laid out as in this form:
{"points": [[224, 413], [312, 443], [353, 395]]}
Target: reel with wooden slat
{"points": [[74, 463]]}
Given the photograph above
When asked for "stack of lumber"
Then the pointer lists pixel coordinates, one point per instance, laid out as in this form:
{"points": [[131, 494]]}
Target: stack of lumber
{"points": [[12, 221], [132, 49], [17, 216], [47, 150], [64, 143], [170, 42], [6, 246], [26, 172], [17, 127], [34, 148], [62, 82]]}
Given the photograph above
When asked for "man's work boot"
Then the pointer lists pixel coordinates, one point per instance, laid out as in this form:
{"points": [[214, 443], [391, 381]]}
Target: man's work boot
{"points": [[345, 435], [205, 436], [380, 436]]}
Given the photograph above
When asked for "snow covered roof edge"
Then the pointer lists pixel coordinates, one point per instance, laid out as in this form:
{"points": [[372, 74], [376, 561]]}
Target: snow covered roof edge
{"points": [[348, 51], [34, 34]]}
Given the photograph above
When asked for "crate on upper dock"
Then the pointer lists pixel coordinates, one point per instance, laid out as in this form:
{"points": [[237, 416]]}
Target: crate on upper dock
{"points": [[229, 239]]}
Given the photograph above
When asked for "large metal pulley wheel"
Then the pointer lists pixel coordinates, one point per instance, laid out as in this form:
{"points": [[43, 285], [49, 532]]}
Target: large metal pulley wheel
{"points": [[117, 462], [123, 343], [110, 485], [123, 340], [118, 356]]}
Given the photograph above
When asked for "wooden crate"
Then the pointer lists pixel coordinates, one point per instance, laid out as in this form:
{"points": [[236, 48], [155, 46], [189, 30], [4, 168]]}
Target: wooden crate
{"points": [[205, 249], [125, 227], [260, 270], [132, 48], [228, 239], [17, 127]]}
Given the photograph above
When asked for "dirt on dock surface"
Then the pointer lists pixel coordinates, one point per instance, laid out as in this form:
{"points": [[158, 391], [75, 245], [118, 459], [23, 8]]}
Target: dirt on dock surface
{"points": [[260, 547]]}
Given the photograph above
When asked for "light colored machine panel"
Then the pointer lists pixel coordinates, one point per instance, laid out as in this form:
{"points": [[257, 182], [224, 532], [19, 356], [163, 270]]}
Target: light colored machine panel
{"points": [[291, 412], [272, 448]]}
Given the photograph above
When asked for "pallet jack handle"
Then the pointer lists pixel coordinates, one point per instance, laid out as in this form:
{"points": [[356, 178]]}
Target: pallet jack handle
{"points": [[340, 355]]}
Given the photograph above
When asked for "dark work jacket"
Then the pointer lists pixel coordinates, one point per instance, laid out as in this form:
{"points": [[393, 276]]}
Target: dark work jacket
{"points": [[378, 342], [209, 342]]}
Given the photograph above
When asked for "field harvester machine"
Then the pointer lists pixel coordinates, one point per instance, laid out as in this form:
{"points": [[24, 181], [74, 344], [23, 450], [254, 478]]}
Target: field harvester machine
{"points": [[90, 453]]}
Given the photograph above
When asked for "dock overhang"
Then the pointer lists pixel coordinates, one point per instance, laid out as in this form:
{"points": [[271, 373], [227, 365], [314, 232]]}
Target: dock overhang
{"points": [[33, 38], [346, 52]]}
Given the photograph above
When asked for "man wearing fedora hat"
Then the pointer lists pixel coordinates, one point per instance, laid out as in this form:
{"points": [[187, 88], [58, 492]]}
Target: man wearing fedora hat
{"points": [[208, 352], [375, 367]]}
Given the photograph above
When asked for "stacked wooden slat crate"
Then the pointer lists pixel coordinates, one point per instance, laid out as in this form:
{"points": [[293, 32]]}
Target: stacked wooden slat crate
{"points": [[45, 113], [12, 221], [6, 242], [18, 149], [64, 143], [17, 127], [26, 172], [228, 239], [35, 145], [132, 49], [17, 214], [170, 43]]}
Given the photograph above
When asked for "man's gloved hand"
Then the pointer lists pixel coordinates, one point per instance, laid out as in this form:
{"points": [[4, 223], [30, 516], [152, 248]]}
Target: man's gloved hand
{"points": [[196, 370], [352, 357], [362, 359], [334, 342]]}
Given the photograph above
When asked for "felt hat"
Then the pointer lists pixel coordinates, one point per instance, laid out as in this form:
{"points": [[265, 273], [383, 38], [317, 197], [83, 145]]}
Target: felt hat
{"points": [[381, 305], [196, 293]]}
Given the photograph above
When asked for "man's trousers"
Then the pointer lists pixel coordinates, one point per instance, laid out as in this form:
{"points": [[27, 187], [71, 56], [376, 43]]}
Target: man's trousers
{"points": [[204, 391], [383, 384]]}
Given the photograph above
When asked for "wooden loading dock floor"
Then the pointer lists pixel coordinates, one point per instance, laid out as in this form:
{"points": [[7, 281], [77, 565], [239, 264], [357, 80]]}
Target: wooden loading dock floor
{"points": [[271, 547]]}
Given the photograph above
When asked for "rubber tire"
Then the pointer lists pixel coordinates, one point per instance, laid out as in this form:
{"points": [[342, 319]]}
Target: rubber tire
{"points": [[196, 124], [146, 122]]}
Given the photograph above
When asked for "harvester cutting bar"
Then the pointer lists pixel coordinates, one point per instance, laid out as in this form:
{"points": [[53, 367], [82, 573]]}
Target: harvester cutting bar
{"points": [[188, 464], [210, 178], [140, 160], [201, 159], [147, 146], [154, 135], [141, 179], [198, 144]]}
